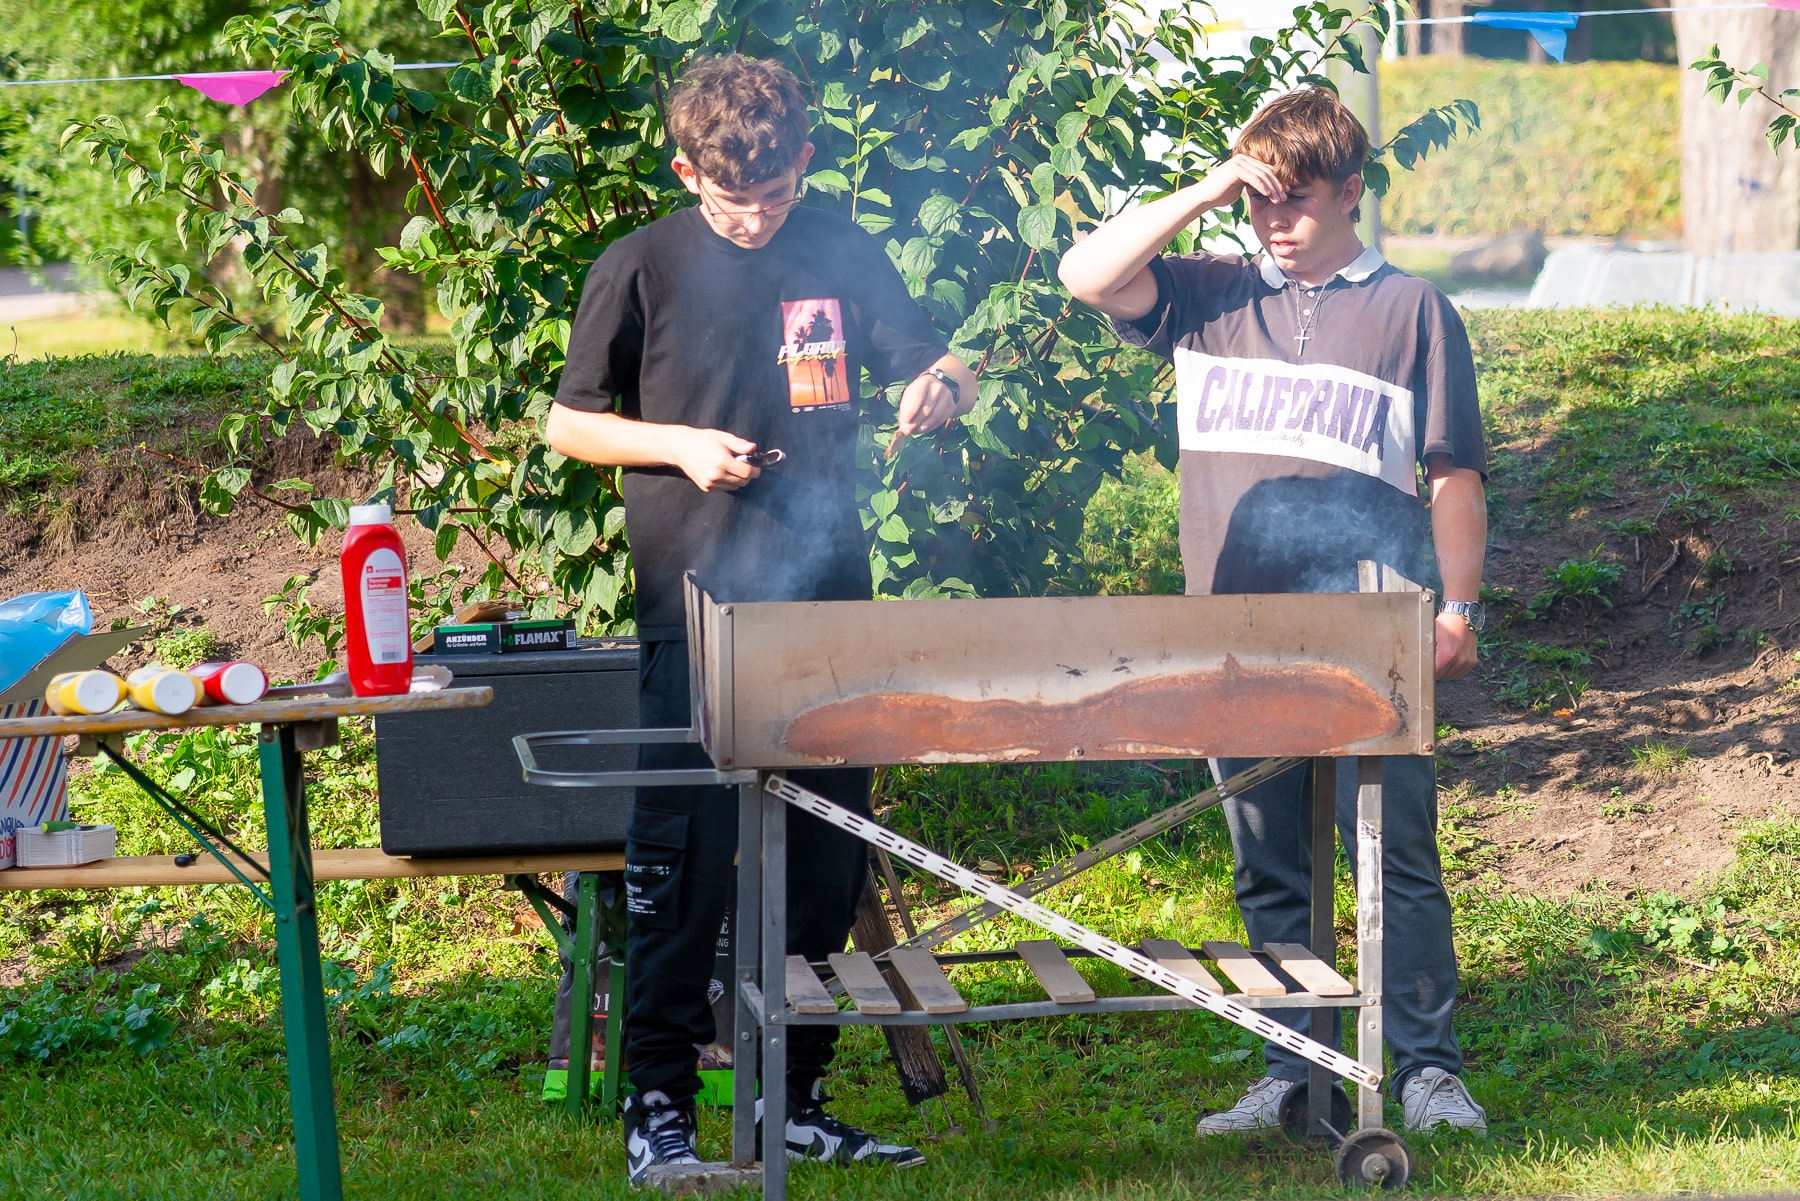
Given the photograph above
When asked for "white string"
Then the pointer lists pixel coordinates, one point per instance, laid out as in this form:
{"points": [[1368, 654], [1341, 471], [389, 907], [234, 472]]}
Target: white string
{"points": [[40, 83], [1465, 19], [1468, 18]]}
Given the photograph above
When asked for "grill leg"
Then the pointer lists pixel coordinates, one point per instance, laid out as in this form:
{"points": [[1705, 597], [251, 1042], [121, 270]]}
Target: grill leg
{"points": [[1324, 931], [746, 932], [1369, 923], [774, 984]]}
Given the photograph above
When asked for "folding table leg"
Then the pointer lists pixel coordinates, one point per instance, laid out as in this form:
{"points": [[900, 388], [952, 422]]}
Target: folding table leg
{"points": [[774, 988], [1324, 931], [612, 1081], [1369, 925], [297, 951], [746, 930], [581, 991]]}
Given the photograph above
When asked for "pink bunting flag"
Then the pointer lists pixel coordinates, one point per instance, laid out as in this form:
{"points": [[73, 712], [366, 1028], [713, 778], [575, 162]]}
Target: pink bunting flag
{"points": [[233, 87], [1789, 4]]}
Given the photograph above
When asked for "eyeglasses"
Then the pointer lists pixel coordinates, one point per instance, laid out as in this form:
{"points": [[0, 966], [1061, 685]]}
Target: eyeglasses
{"points": [[779, 209]]}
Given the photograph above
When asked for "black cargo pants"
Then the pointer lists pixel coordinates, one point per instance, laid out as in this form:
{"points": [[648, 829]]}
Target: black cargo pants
{"points": [[679, 879]]}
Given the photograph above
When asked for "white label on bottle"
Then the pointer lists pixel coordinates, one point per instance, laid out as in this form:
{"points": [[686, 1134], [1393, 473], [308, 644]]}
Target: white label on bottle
{"points": [[384, 606]]}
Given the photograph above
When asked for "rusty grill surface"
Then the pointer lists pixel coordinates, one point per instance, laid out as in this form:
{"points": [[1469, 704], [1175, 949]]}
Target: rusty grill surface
{"points": [[872, 683]]}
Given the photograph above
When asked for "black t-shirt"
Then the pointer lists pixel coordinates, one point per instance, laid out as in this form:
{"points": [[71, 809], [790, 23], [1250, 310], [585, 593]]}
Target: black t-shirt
{"points": [[1300, 455], [678, 325]]}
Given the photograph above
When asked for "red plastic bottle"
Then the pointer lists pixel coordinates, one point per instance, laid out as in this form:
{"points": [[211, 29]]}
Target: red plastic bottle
{"points": [[378, 638]]}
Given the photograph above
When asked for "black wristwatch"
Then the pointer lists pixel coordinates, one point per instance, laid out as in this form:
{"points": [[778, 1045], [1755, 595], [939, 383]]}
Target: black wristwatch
{"points": [[949, 381], [1472, 612]]}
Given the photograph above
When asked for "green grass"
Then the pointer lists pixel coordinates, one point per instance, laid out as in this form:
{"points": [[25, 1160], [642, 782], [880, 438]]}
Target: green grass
{"points": [[1584, 149], [88, 332], [57, 414], [1624, 1045], [1610, 1064]]}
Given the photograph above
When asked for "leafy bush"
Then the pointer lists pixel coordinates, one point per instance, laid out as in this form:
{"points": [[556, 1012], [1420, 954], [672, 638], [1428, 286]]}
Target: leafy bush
{"points": [[1580, 582], [970, 137], [1578, 149], [184, 648]]}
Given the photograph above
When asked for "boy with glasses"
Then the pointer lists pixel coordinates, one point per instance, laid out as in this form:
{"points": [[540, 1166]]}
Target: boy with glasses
{"points": [[717, 356], [1314, 385]]}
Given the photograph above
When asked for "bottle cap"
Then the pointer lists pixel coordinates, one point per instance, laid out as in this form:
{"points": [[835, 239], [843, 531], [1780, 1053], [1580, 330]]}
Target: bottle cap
{"points": [[371, 515]]}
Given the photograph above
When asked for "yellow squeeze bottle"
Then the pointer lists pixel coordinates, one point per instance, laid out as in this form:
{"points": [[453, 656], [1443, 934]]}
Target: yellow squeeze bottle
{"points": [[84, 692], [162, 689]]}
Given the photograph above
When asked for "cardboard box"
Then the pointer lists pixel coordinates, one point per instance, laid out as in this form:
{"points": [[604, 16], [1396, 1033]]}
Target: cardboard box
{"points": [[504, 638], [34, 782], [481, 639], [519, 637], [66, 848]]}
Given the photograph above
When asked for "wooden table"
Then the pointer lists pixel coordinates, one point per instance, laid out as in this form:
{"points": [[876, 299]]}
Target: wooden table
{"points": [[286, 728]]}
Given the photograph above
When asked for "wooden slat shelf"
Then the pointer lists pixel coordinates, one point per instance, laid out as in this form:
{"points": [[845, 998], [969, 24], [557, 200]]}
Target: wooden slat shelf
{"points": [[923, 994]]}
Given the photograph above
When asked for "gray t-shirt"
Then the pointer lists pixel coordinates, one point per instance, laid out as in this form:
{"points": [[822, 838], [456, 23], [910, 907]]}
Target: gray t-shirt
{"points": [[1300, 457]]}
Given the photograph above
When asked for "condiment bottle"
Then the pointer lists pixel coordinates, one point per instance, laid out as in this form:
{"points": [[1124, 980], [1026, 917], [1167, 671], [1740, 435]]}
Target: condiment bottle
{"points": [[378, 639], [84, 692], [230, 683], [162, 689]]}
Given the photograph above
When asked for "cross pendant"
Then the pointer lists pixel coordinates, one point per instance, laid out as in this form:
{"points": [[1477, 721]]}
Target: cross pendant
{"points": [[1300, 339]]}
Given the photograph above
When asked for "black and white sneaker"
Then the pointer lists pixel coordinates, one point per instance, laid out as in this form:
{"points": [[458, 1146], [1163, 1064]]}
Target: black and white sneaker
{"points": [[657, 1132], [814, 1134]]}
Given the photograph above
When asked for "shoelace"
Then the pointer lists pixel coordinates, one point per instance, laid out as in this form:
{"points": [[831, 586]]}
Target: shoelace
{"points": [[1441, 1085], [668, 1135], [1254, 1096]]}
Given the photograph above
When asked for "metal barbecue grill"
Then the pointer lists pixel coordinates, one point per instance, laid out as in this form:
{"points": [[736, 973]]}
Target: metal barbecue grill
{"points": [[1286, 677]]}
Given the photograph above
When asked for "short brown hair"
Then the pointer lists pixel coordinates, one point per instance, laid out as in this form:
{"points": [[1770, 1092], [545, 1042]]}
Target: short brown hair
{"points": [[1306, 134], [740, 121]]}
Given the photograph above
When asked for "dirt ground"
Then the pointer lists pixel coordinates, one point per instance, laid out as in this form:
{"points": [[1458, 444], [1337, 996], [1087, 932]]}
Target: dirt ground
{"points": [[137, 532], [1549, 801], [1646, 779]]}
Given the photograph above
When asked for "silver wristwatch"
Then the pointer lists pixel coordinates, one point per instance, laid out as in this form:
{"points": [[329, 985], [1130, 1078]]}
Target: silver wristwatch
{"points": [[1473, 612], [949, 381]]}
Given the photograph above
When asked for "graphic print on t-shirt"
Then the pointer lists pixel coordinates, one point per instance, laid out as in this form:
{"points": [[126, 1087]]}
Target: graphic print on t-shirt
{"points": [[1314, 411], [813, 350]]}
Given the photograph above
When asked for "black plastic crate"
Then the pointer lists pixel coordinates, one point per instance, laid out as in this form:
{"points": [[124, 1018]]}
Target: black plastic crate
{"points": [[451, 784]]}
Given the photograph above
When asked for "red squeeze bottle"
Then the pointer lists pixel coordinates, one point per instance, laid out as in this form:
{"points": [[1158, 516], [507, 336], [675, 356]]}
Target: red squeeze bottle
{"points": [[378, 637]]}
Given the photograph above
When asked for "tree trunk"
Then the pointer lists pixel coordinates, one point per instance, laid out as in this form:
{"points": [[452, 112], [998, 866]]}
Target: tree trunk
{"points": [[1444, 40], [1737, 195]]}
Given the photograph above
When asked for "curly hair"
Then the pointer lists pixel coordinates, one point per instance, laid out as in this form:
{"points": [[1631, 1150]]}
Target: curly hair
{"points": [[740, 121], [1306, 134]]}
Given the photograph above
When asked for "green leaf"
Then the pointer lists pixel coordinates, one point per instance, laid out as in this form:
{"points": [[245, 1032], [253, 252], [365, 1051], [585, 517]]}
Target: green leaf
{"points": [[477, 83], [445, 543], [1037, 226], [938, 213], [333, 511], [215, 498]]}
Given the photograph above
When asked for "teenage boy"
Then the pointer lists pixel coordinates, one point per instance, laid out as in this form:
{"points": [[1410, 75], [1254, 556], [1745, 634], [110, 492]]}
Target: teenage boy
{"points": [[704, 343], [1312, 384]]}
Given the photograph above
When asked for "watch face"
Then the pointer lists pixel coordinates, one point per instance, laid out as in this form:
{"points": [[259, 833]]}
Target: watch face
{"points": [[1472, 612]]}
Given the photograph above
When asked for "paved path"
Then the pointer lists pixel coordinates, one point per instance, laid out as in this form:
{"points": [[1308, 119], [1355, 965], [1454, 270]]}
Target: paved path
{"points": [[22, 299]]}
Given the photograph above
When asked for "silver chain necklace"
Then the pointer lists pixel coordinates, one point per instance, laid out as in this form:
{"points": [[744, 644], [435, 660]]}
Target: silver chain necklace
{"points": [[1304, 321]]}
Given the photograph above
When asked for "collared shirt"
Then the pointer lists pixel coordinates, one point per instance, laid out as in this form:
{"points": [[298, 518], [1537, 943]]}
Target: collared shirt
{"points": [[1304, 415], [1355, 271]]}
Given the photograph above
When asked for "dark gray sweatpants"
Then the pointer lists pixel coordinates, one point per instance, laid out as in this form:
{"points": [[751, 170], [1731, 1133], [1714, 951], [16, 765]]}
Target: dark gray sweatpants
{"points": [[1271, 829]]}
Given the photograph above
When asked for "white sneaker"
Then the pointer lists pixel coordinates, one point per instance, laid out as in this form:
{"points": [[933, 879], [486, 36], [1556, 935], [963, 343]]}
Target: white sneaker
{"points": [[657, 1132], [1258, 1109], [1436, 1098]]}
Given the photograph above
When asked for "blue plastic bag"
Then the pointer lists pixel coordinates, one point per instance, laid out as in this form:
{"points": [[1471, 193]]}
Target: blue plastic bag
{"points": [[34, 625]]}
